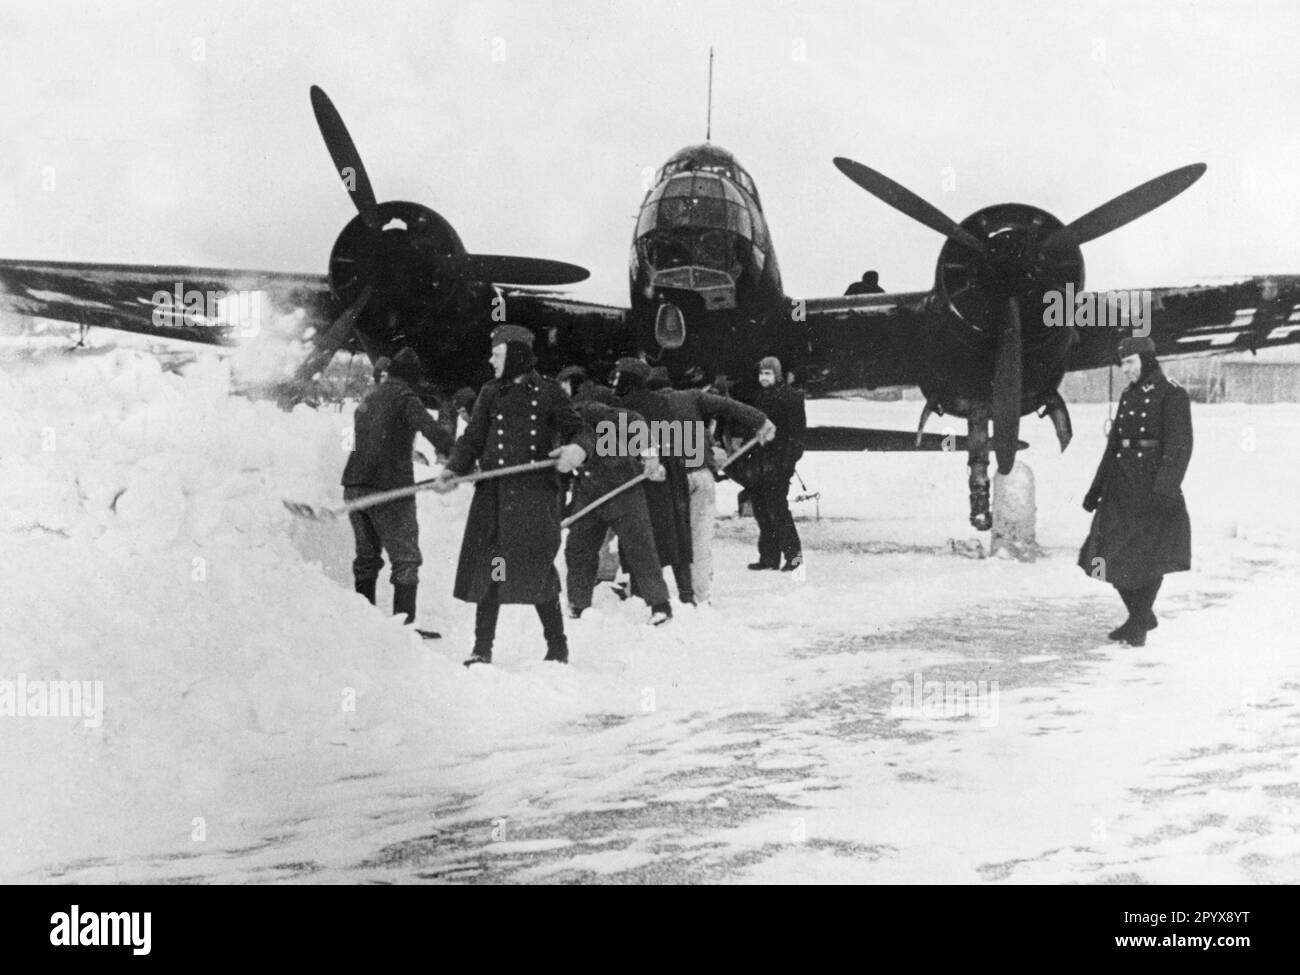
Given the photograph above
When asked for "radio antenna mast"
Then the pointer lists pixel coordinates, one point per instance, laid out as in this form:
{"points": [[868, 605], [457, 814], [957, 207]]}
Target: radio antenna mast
{"points": [[708, 127]]}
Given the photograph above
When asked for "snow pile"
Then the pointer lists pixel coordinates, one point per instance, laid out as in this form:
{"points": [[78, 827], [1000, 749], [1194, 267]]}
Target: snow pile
{"points": [[147, 548]]}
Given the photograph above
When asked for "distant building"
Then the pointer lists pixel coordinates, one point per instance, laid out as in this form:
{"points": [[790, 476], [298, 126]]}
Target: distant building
{"points": [[1272, 376]]}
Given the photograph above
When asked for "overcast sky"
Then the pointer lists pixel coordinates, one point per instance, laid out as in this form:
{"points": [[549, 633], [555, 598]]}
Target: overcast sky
{"points": [[182, 132]]}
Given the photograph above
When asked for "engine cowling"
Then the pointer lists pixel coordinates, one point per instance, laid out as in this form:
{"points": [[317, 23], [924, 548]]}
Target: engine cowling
{"points": [[404, 260], [1013, 263]]}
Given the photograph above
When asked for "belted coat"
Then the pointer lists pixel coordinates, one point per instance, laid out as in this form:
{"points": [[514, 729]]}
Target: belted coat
{"points": [[512, 535], [1140, 529]]}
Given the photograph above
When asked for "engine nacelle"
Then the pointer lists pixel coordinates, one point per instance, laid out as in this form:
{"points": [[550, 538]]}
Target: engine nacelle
{"points": [[403, 260], [1013, 263]]}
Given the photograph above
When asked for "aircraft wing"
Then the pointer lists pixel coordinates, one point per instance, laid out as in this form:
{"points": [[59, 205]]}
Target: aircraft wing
{"points": [[573, 330], [1241, 316], [874, 439], [862, 341], [122, 297], [544, 310]]}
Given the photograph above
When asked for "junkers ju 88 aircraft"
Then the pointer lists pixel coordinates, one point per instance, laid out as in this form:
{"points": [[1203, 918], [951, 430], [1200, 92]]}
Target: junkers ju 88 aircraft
{"points": [[707, 299]]}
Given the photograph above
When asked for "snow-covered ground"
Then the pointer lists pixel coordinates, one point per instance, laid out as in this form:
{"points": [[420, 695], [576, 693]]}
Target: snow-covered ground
{"points": [[261, 722]]}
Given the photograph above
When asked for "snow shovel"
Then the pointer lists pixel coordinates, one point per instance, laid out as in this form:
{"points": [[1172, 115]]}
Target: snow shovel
{"points": [[637, 480], [304, 510], [748, 444], [587, 509]]}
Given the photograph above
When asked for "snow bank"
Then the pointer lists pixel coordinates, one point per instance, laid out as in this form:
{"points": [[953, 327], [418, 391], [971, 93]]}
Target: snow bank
{"points": [[148, 549]]}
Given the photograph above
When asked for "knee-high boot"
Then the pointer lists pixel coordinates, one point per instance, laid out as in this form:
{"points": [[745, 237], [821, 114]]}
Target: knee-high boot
{"points": [[1144, 601], [1140, 600], [404, 605], [366, 588], [1121, 632], [485, 627], [557, 645]]}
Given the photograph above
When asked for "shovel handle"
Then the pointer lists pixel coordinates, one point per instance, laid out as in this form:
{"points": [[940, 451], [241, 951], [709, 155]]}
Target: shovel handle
{"points": [[747, 445], [381, 497], [603, 498]]}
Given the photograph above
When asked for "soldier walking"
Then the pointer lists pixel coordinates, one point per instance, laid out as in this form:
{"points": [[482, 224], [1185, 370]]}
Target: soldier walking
{"points": [[1140, 528]]}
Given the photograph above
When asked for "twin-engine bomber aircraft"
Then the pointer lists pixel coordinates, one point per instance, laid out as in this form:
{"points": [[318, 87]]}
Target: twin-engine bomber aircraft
{"points": [[707, 300]]}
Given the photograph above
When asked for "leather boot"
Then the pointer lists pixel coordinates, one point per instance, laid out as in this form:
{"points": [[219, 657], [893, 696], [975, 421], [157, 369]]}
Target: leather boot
{"points": [[404, 605], [485, 632], [557, 645], [1121, 632], [1143, 618], [366, 589]]}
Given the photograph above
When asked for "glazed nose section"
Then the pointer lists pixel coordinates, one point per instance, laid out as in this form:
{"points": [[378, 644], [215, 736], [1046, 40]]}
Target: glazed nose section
{"points": [[695, 233], [707, 263]]}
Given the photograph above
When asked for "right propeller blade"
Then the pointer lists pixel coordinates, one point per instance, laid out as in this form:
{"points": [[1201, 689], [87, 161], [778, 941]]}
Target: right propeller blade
{"points": [[1125, 208], [1007, 382], [905, 201], [347, 161]]}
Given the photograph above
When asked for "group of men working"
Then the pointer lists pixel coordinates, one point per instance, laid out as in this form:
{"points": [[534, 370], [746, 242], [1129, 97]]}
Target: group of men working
{"points": [[654, 491], [659, 500]]}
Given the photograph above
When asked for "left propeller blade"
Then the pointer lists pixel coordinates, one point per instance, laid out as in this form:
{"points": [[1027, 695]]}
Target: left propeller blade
{"points": [[1125, 208], [906, 202], [1007, 383], [326, 344], [347, 161]]}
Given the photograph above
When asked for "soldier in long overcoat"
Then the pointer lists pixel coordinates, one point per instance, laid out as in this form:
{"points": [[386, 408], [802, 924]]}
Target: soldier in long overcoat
{"points": [[512, 534], [1140, 528]]}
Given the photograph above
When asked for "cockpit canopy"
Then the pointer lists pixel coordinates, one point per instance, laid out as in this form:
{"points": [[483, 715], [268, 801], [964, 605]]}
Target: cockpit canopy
{"points": [[708, 158], [704, 201]]}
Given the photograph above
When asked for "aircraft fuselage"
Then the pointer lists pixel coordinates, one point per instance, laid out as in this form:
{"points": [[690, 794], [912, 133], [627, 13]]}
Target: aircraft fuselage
{"points": [[706, 295]]}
